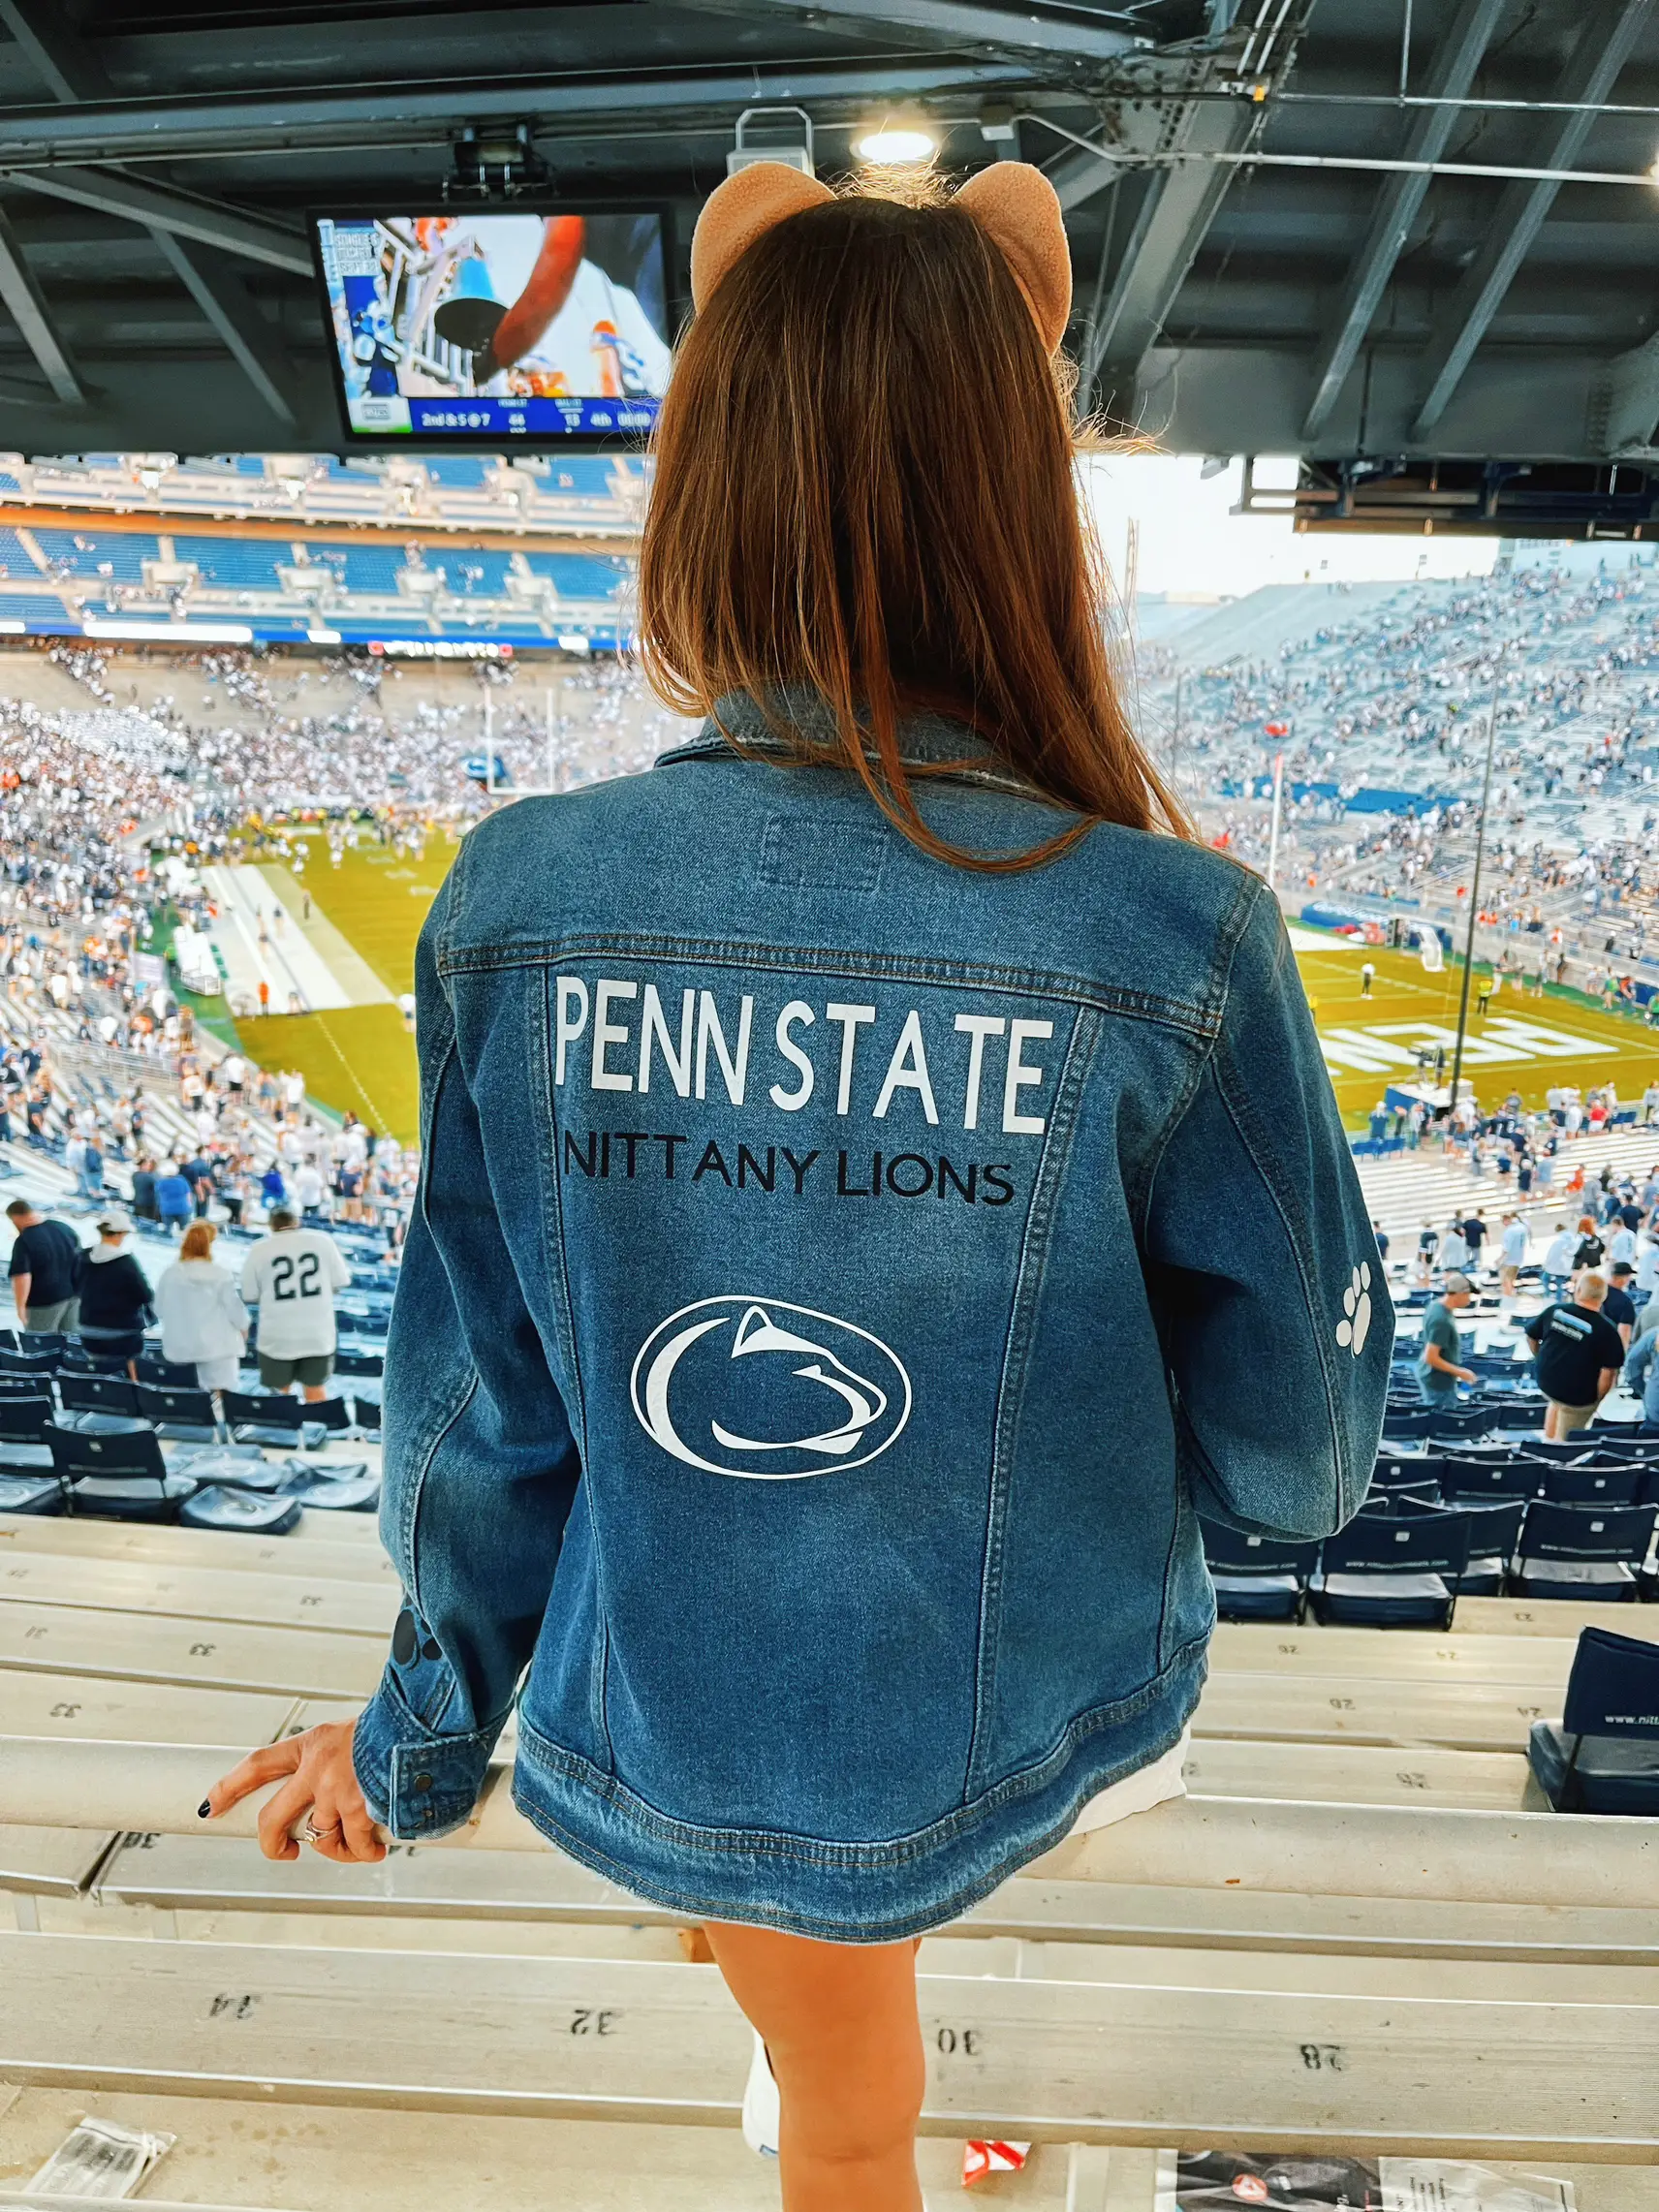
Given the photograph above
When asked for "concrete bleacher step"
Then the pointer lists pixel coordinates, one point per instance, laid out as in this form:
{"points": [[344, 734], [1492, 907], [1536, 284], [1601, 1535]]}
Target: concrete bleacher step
{"points": [[1409, 1655], [343, 1549], [225, 1890], [199, 1593], [1355, 1709], [325, 1664], [1317, 1849], [249, 2154], [216, 1654], [1054, 2060]]}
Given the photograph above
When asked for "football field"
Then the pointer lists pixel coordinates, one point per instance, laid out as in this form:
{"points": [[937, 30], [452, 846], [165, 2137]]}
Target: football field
{"points": [[359, 1055], [1521, 1043]]}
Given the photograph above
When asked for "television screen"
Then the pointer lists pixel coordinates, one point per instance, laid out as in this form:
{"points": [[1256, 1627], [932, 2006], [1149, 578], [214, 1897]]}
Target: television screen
{"points": [[492, 326]]}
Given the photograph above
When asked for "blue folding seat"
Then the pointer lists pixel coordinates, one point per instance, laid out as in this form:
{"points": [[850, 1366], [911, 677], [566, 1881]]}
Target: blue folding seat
{"points": [[241, 1511], [1590, 1553], [270, 1418], [1467, 1482], [1257, 1577], [1494, 1531], [23, 1422], [1581, 1485], [1603, 1755], [166, 1374], [351, 1491], [40, 1362], [120, 1477], [186, 1415], [100, 1405], [1399, 1572], [31, 1494]]}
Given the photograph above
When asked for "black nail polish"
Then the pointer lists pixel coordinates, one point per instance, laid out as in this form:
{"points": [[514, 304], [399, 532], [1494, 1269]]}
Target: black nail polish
{"points": [[206, 1808]]}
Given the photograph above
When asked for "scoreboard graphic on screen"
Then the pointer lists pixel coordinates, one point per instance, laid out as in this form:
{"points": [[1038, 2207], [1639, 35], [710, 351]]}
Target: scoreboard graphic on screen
{"points": [[544, 326]]}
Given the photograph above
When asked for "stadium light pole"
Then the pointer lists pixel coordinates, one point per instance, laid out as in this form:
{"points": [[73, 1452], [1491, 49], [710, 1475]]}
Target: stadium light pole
{"points": [[1475, 880]]}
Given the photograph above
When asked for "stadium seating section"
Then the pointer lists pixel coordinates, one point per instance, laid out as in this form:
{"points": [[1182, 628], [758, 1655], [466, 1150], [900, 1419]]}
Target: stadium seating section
{"points": [[102, 566]]}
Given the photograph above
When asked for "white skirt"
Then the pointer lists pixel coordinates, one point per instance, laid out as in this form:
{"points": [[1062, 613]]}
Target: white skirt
{"points": [[1138, 1793]]}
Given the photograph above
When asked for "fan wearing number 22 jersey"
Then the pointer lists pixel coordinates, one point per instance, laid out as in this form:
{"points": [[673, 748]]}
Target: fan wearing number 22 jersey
{"points": [[292, 1276]]}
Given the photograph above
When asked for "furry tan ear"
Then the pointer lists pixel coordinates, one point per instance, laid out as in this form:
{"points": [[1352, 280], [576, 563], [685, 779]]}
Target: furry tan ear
{"points": [[741, 210], [1018, 210]]}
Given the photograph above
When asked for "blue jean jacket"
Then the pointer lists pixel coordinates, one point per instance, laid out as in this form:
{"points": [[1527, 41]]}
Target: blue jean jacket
{"points": [[839, 1281]]}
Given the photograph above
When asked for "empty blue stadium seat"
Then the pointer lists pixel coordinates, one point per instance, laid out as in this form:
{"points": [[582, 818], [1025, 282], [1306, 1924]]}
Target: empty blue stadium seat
{"points": [[15, 556], [590, 475], [360, 568], [234, 564], [580, 576], [459, 472], [120, 553], [32, 606]]}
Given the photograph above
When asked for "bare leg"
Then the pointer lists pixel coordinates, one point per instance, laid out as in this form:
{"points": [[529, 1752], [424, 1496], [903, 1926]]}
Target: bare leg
{"points": [[840, 2028]]}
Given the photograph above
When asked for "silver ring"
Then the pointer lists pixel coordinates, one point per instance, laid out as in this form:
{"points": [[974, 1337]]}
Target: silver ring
{"points": [[311, 1833]]}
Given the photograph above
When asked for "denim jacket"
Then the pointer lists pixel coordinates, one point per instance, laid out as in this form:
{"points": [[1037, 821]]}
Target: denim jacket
{"points": [[839, 1281]]}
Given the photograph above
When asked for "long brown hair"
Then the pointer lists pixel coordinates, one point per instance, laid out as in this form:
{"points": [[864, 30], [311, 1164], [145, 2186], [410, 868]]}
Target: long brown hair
{"points": [[863, 486]]}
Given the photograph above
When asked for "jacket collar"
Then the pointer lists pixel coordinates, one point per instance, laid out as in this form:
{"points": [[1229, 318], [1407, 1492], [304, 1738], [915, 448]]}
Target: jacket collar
{"points": [[923, 739]]}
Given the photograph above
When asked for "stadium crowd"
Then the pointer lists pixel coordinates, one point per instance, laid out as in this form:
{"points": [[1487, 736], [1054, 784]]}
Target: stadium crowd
{"points": [[1382, 724]]}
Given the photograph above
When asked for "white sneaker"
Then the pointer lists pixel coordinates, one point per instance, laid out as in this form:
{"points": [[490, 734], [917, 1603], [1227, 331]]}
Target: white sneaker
{"points": [[762, 2105]]}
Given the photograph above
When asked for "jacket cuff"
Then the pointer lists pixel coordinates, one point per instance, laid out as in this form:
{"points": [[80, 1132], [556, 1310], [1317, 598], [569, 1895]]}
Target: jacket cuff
{"points": [[417, 1784]]}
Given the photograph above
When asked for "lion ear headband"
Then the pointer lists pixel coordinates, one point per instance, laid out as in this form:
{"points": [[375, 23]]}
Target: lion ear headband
{"points": [[1013, 204]]}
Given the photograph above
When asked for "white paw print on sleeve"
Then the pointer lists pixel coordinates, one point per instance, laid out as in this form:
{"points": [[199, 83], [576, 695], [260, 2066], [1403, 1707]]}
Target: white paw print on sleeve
{"points": [[1354, 1326]]}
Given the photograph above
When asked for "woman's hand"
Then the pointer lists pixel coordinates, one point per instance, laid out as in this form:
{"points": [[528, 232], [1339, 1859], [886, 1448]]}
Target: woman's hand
{"points": [[322, 1782]]}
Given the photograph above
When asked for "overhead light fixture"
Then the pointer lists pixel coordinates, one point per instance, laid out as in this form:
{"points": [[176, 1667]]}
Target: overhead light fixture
{"points": [[788, 142], [896, 145]]}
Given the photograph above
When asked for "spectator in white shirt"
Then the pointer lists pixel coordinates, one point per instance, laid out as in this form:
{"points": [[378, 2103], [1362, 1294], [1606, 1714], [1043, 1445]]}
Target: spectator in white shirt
{"points": [[1558, 1259], [291, 1275], [1513, 1250], [308, 1192], [203, 1322]]}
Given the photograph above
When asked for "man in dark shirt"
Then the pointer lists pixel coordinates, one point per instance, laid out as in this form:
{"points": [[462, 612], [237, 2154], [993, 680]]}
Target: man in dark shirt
{"points": [[1580, 1354], [45, 1270], [1474, 1237], [1618, 1306]]}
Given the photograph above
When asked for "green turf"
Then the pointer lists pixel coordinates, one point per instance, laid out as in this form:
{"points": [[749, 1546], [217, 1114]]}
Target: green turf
{"points": [[358, 1058], [1581, 1044], [377, 899]]}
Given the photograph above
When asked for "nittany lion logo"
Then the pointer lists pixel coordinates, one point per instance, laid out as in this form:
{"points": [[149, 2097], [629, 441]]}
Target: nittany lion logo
{"points": [[768, 1391]]}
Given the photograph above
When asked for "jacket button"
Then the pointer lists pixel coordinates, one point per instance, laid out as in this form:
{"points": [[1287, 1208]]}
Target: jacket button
{"points": [[422, 1782]]}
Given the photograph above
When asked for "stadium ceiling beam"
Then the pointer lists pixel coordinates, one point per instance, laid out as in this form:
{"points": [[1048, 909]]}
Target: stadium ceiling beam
{"points": [[22, 300], [158, 208], [424, 114], [223, 297], [1449, 77], [1179, 205], [1623, 412], [1605, 44], [965, 25], [72, 74], [57, 56]]}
